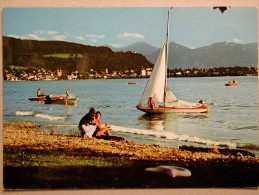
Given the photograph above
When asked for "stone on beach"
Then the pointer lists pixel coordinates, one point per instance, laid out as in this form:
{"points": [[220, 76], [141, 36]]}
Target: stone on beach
{"points": [[173, 171]]}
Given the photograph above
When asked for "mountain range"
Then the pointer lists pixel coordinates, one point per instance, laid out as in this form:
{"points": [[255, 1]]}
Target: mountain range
{"points": [[222, 54]]}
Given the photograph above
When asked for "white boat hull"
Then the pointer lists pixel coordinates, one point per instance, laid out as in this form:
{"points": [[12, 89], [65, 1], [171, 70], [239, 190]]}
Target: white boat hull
{"points": [[161, 110]]}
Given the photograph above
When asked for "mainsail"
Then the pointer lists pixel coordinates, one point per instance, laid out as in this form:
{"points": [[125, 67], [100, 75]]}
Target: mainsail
{"points": [[156, 81]]}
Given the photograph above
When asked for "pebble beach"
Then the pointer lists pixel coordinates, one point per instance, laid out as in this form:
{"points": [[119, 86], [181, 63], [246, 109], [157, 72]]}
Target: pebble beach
{"points": [[211, 168]]}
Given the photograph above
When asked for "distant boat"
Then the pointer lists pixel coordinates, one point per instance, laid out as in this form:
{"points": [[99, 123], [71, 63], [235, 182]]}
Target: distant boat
{"points": [[65, 101], [156, 87], [231, 84], [131, 83]]}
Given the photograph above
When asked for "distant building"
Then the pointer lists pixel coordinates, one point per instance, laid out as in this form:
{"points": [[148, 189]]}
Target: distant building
{"points": [[143, 72], [59, 72], [149, 71], [8, 76]]}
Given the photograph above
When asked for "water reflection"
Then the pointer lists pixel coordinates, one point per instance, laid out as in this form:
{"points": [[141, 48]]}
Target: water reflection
{"points": [[171, 122], [154, 122]]}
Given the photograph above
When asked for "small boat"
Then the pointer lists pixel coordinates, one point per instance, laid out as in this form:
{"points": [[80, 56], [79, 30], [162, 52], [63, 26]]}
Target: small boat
{"points": [[62, 100], [131, 83], [231, 84], [43, 98], [156, 87]]}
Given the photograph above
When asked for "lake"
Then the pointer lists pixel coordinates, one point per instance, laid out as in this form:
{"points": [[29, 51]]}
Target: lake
{"points": [[232, 122]]}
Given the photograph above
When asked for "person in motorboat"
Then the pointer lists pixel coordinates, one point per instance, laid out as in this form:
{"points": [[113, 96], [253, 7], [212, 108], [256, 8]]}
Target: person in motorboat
{"points": [[101, 129], [67, 95], [202, 103], [87, 124], [39, 93], [151, 103]]}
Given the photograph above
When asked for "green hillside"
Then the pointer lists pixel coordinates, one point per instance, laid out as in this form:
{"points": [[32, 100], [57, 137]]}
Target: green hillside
{"points": [[68, 56]]}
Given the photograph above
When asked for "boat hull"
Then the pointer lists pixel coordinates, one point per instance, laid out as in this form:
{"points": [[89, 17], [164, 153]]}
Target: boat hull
{"points": [[162, 109], [43, 98], [235, 84], [37, 98], [70, 101]]}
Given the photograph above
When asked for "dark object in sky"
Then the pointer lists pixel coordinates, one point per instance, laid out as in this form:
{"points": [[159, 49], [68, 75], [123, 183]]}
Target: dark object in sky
{"points": [[222, 9]]}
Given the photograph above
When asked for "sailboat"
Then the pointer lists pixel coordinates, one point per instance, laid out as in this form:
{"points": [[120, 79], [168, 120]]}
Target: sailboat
{"points": [[156, 87]]}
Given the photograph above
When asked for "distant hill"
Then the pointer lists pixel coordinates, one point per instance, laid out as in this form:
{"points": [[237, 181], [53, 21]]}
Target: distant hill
{"points": [[221, 54], [143, 48], [68, 56]]}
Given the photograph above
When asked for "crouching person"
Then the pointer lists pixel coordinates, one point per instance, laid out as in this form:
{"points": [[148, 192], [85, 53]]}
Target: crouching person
{"points": [[87, 124]]}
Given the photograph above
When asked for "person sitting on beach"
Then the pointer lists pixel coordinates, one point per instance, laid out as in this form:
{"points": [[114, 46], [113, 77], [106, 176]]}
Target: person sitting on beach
{"points": [[99, 129], [151, 103], [39, 93], [87, 124]]}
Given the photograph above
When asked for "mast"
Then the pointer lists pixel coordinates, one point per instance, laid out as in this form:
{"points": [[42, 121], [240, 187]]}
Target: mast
{"points": [[166, 57]]}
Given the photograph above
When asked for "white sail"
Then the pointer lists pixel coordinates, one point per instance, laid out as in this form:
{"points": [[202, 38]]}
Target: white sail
{"points": [[156, 81]]}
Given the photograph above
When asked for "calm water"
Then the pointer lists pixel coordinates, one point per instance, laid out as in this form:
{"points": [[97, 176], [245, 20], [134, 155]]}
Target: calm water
{"points": [[233, 122]]}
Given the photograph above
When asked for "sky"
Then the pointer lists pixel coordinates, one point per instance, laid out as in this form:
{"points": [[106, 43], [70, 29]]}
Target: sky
{"points": [[191, 27]]}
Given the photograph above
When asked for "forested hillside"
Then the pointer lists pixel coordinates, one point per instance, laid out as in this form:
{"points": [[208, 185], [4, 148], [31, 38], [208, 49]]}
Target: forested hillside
{"points": [[68, 56]]}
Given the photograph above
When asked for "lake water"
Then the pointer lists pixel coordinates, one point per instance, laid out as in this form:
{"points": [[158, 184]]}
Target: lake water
{"points": [[232, 122]]}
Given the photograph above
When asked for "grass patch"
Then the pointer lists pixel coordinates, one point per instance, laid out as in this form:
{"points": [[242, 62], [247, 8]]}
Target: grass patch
{"points": [[64, 55], [24, 159], [17, 67]]}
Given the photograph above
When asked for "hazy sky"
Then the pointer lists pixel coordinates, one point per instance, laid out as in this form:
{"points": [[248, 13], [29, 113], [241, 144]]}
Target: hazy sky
{"points": [[191, 27]]}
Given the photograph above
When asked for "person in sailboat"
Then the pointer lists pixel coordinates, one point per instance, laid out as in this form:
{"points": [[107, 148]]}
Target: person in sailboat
{"points": [[151, 103], [87, 124], [101, 129]]}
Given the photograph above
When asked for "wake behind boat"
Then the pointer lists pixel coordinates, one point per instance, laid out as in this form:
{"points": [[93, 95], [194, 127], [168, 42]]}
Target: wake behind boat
{"points": [[156, 88]]}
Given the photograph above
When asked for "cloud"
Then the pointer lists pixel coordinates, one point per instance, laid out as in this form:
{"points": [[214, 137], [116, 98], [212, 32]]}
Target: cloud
{"points": [[39, 32], [95, 36], [59, 37], [94, 40], [131, 35], [17, 36], [114, 45], [52, 32], [80, 38], [237, 40], [27, 36], [33, 36]]}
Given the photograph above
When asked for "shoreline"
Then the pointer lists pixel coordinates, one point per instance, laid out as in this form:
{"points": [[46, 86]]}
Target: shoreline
{"points": [[27, 150]]}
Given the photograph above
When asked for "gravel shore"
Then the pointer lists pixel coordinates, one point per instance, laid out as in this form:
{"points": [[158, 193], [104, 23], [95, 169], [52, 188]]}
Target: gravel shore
{"points": [[209, 169]]}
